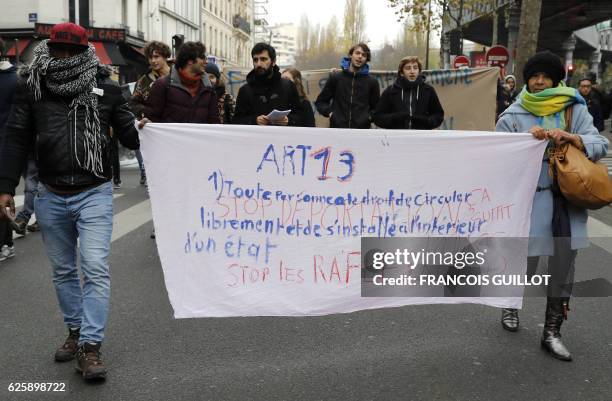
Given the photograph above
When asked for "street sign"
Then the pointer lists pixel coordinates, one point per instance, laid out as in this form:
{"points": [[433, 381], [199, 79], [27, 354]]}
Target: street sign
{"points": [[478, 59], [461, 61], [33, 17], [498, 56]]}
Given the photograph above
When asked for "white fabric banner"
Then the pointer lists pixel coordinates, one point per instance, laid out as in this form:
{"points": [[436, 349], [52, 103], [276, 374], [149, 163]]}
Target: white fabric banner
{"points": [[266, 221]]}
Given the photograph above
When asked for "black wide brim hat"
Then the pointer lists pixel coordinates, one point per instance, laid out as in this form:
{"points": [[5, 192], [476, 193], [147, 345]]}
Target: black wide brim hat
{"points": [[546, 62]]}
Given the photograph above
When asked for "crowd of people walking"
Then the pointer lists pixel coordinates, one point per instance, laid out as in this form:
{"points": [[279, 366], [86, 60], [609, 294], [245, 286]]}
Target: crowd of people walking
{"points": [[68, 167]]}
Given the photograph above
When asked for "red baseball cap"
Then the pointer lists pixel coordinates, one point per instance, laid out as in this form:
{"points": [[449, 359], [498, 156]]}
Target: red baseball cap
{"points": [[69, 33]]}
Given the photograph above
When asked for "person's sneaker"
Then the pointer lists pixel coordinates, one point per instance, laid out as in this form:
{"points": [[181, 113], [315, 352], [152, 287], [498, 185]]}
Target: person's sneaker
{"points": [[70, 347], [19, 226], [34, 227], [143, 179], [89, 363], [7, 252], [117, 184]]}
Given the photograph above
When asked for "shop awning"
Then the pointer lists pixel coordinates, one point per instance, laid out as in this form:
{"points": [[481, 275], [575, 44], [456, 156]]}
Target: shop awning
{"points": [[21, 45], [138, 50], [108, 53]]}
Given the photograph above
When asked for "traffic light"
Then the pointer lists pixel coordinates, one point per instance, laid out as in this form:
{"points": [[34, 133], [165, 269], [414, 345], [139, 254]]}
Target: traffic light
{"points": [[569, 73], [455, 43]]}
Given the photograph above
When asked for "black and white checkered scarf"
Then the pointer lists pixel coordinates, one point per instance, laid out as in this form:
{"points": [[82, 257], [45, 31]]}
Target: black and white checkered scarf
{"points": [[72, 77]]}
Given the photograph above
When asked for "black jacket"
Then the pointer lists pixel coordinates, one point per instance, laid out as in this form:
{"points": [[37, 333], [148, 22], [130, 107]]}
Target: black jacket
{"points": [[260, 95], [505, 99], [605, 101], [595, 111], [47, 127], [409, 105], [309, 118], [350, 98], [8, 81]]}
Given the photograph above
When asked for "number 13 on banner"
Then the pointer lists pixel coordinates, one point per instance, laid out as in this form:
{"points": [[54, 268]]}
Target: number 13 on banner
{"points": [[346, 157], [293, 155]]}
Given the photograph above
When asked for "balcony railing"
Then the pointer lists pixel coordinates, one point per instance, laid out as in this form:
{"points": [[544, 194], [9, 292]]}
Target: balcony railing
{"points": [[241, 23]]}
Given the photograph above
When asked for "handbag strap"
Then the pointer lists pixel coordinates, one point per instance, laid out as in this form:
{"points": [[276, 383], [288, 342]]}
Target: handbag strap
{"points": [[568, 119], [558, 152]]}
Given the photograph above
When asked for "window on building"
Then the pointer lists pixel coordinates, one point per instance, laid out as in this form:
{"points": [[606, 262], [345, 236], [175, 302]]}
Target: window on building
{"points": [[140, 17], [124, 11], [216, 41], [210, 39]]}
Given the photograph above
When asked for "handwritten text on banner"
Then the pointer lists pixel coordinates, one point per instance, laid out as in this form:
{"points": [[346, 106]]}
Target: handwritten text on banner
{"points": [[267, 220]]}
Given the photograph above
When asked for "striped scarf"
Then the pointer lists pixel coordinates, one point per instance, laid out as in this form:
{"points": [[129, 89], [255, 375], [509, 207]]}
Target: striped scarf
{"points": [[549, 105], [72, 77]]}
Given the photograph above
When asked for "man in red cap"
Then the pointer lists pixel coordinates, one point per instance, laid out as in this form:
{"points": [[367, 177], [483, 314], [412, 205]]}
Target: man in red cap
{"points": [[63, 108]]}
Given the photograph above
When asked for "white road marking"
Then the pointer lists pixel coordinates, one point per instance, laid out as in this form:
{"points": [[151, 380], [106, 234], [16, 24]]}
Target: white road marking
{"points": [[130, 219]]}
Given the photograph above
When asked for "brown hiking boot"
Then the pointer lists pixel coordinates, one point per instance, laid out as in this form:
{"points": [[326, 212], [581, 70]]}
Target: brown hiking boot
{"points": [[67, 351], [34, 227], [89, 362], [19, 226]]}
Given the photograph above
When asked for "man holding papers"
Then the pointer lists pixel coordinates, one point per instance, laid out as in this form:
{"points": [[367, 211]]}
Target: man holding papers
{"points": [[266, 98]]}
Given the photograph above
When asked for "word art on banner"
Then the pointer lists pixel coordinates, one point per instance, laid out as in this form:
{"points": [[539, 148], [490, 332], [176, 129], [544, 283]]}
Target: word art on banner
{"points": [[267, 221]]}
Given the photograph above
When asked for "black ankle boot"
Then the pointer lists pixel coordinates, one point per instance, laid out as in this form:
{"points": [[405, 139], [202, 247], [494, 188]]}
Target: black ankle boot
{"points": [[556, 312], [510, 319]]}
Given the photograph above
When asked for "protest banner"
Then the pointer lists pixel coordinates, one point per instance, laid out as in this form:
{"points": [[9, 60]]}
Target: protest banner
{"points": [[267, 221], [468, 95]]}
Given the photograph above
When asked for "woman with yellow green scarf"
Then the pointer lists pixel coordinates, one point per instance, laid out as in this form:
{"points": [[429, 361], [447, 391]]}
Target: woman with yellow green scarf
{"points": [[558, 229]]}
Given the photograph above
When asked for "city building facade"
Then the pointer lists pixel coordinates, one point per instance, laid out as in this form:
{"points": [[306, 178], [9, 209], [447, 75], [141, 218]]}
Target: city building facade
{"points": [[284, 41], [227, 31], [117, 28]]}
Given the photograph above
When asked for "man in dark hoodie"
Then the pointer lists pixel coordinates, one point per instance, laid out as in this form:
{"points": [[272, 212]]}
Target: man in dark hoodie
{"points": [[349, 97], [63, 107], [265, 91], [409, 103]]}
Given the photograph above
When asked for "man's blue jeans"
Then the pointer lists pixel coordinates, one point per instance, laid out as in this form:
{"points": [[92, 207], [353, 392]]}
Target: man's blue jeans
{"points": [[87, 216], [140, 161], [30, 176]]}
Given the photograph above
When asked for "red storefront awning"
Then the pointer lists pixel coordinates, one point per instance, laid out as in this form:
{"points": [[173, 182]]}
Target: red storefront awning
{"points": [[21, 45], [108, 53]]}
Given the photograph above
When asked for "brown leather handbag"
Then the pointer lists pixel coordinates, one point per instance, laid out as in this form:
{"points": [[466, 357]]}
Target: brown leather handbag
{"points": [[582, 182]]}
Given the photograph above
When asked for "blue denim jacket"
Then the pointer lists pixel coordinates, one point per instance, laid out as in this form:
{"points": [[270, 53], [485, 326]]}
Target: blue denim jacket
{"points": [[517, 119]]}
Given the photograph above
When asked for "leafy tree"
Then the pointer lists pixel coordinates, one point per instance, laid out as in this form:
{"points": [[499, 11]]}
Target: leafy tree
{"points": [[431, 14], [354, 22], [318, 46]]}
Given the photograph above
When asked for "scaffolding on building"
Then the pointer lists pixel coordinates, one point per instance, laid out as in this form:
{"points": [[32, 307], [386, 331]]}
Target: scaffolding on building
{"points": [[261, 32]]}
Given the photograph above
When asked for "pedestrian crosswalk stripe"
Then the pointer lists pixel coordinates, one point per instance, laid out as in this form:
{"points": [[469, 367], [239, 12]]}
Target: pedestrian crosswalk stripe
{"points": [[600, 233], [130, 219]]}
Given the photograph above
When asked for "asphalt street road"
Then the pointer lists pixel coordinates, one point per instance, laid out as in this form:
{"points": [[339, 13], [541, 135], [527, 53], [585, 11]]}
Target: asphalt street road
{"points": [[434, 352]]}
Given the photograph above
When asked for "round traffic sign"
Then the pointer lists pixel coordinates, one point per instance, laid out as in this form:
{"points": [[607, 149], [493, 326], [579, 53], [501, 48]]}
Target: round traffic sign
{"points": [[461, 61], [497, 56]]}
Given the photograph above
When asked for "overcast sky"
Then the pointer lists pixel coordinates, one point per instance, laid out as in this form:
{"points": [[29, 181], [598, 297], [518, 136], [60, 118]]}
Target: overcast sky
{"points": [[381, 21]]}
